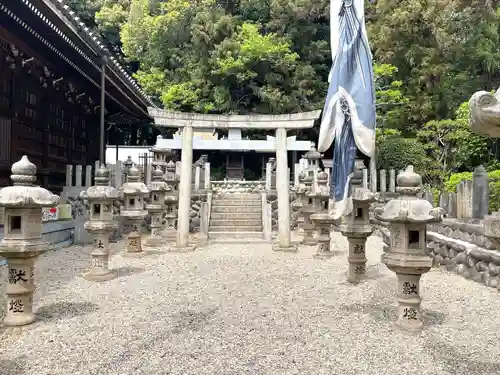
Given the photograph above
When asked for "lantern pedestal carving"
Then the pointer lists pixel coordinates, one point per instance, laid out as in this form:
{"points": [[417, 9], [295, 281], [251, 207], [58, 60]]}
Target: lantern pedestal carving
{"points": [[99, 269], [134, 239], [323, 222], [22, 242], [19, 290]]}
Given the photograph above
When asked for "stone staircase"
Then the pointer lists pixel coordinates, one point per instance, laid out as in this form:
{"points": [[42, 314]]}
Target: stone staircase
{"points": [[236, 217]]}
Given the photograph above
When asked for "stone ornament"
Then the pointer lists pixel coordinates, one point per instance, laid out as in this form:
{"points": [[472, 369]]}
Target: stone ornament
{"points": [[156, 206], [134, 193], [159, 156], [357, 227], [169, 232], [22, 242], [321, 219], [408, 217], [484, 115], [101, 224], [307, 210]]}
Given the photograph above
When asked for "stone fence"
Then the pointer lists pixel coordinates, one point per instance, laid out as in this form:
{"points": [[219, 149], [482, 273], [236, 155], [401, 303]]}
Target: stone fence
{"points": [[457, 245]]}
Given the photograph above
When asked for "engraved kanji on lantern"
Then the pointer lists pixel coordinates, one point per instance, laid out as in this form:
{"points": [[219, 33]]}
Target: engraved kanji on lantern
{"points": [[321, 219], [171, 199], [101, 224], [408, 217], [156, 206], [356, 226], [133, 194], [22, 242]]}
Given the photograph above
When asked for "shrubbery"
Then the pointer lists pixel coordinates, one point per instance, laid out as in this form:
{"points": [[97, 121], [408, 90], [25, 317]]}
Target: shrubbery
{"points": [[494, 185]]}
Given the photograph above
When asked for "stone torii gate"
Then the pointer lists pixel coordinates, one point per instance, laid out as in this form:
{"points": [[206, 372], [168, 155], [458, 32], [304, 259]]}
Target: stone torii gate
{"points": [[280, 123]]}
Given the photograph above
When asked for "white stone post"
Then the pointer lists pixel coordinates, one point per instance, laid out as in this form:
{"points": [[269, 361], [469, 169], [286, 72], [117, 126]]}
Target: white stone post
{"points": [[392, 180], [88, 176], [207, 176], [185, 190], [197, 178], [383, 181], [373, 174], [365, 179], [283, 190], [269, 171], [296, 172], [69, 175], [78, 176]]}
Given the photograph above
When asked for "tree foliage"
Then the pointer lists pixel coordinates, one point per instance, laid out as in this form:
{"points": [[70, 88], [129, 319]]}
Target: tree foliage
{"points": [[273, 56]]}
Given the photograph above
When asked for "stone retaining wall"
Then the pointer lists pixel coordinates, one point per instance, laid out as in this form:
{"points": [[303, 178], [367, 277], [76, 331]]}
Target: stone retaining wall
{"points": [[458, 246]]}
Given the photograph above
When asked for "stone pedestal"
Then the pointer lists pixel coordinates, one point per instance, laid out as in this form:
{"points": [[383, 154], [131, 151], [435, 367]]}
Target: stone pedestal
{"points": [[408, 217], [99, 269], [19, 290], [323, 223], [22, 242], [134, 239], [356, 258]]}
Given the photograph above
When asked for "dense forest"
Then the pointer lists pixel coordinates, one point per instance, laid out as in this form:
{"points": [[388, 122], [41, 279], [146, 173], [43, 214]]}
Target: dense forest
{"points": [[273, 56]]}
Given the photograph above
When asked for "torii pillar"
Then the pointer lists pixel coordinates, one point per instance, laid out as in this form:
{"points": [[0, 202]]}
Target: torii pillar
{"points": [[280, 123]]}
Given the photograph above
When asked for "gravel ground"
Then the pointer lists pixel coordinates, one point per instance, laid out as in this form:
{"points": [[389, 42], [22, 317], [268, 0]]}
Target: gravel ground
{"points": [[243, 309]]}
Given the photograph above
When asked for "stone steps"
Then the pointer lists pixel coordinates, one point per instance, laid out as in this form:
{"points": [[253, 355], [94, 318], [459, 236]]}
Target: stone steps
{"points": [[241, 221], [235, 228], [241, 209], [234, 236], [235, 215], [236, 218], [236, 202]]}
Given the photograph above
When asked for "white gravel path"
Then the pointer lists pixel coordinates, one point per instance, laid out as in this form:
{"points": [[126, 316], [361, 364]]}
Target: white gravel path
{"points": [[243, 309]]}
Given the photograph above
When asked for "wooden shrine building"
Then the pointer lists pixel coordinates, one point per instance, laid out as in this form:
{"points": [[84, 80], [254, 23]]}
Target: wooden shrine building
{"points": [[50, 90]]}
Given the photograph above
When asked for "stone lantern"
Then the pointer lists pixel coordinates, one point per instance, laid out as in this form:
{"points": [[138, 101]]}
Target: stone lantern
{"points": [[312, 158], [159, 156], [300, 196], [408, 217], [156, 206], [101, 198], [321, 219], [307, 210], [22, 242], [171, 200], [133, 193], [356, 226]]}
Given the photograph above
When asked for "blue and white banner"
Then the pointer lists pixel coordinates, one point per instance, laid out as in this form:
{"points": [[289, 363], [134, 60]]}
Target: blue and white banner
{"points": [[349, 118]]}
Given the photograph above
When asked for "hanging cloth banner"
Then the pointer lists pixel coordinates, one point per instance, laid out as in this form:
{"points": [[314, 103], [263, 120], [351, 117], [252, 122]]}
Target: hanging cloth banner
{"points": [[349, 118]]}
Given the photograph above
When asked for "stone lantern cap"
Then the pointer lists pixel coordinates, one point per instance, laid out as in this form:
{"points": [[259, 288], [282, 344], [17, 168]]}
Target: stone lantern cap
{"points": [[364, 195], [408, 208], [157, 183], [323, 191], [128, 163], [134, 186], [101, 190], [312, 154], [24, 193]]}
